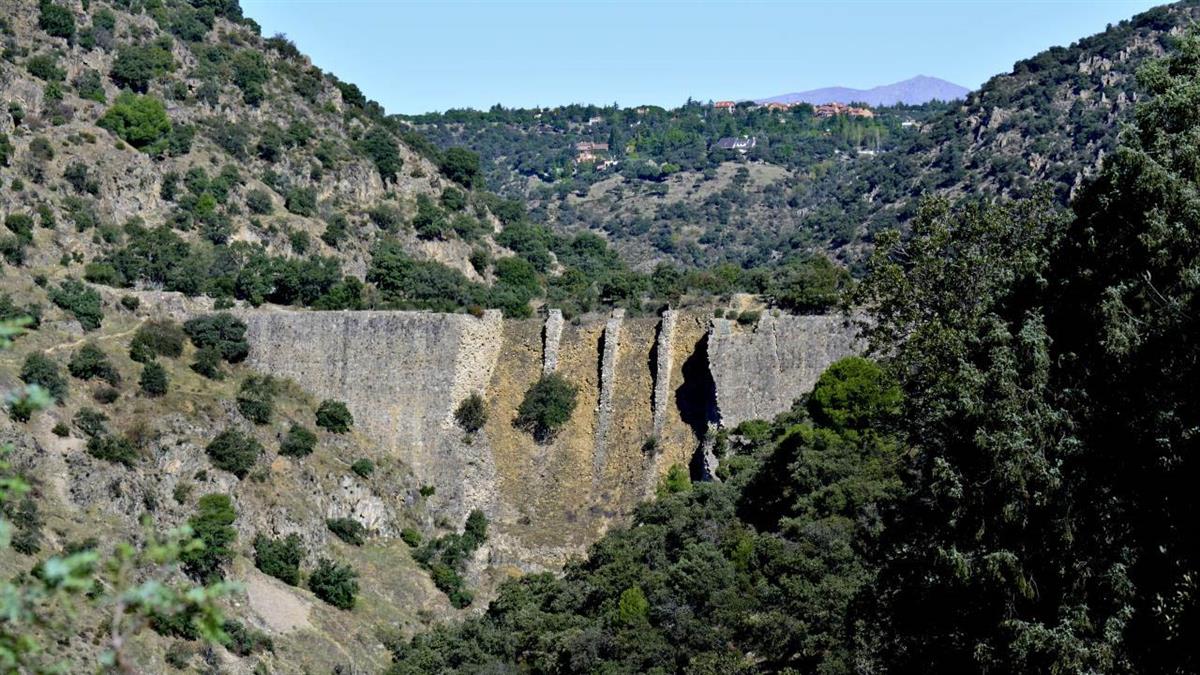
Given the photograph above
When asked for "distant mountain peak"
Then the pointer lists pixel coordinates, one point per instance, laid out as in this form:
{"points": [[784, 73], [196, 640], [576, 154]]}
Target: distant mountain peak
{"points": [[919, 89]]}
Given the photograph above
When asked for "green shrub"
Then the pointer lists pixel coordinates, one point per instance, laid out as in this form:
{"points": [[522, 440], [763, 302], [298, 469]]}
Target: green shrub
{"points": [[44, 372], [13, 250], [299, 442], [480, 259], [386, 217], [212, 525], [26, 522], [471, 414], [178, 624], [222, 331], [677, 480], [259, 202], [61, 430], [633, 607], [56, 20], [381, 148], [854, 393], [411, 537], [105, 395], [136, 65], [348, 530], [335, 231], [460, 165], [159, 337], [9, 311], [256, 398], [279, 558], [115, 449], [300, 241], [446, 557], [22, 407], [334, 416], [748, 317], [301, 201], [250, 73], [102, 273], [84, 303], [154, 381], [421, 284], [20, 224], [453, 199], [450, 582], [81, 179], [245, 641], [234, 452], [429, 222], [208, 363], [131, 302], [45, 66], [89, 361], [363, 468], [89, 85], [335, 584], [547, 406], [140, 121]]}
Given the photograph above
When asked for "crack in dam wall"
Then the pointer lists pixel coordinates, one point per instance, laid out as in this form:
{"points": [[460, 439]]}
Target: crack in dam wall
{"points": [[402, 374]]}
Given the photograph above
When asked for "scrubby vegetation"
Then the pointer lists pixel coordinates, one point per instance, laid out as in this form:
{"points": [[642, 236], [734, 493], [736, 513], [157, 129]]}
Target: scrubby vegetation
{"points": [[213, 525], [348, 530], [256, 398], [153, 381], [298, 442], [363, 468], [471, 414], [547, 406], [89, 361], [280, 558], [115, 449], [222, 333], [157, 338], [333, 416], [334, 583], [447, 556], [84, 303], [42, 371], [234, 451]]}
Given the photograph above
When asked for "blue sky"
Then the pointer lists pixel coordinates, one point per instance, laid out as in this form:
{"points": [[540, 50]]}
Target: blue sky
{"points": [[421, 56]]}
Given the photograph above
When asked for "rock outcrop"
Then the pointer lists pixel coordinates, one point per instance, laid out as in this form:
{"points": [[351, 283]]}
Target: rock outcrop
{"points": [[759, 371], [551, 338], [650, 391], [402, 374], [608, 364]]}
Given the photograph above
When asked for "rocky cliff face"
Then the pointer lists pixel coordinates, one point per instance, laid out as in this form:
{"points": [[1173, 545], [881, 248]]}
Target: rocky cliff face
{"points": [[759, 372], [649, 390]]}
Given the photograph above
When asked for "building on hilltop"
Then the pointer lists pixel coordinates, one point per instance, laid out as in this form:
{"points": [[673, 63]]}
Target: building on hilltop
{"points": [[589, 151], [742, 145], [833, 109], [726, 106]]}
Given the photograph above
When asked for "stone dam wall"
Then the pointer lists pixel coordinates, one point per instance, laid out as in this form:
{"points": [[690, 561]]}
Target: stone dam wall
{"points": [[669, 378]]}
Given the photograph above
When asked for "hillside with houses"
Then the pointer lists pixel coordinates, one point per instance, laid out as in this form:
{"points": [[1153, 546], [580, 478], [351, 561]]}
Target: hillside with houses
{"points": [[668, 185], [756, 183]]}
